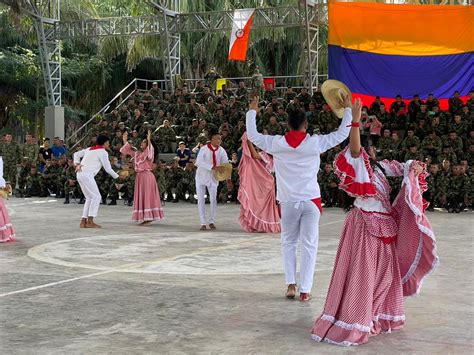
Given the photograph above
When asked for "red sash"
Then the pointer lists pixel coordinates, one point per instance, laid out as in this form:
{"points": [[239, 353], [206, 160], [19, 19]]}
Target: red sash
{"points": [[96, 147], [316, 201], [214, 157]]}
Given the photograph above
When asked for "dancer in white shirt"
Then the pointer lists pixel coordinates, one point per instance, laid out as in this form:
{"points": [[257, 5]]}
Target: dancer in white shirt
{"points": [[210, 157], [296, 161], [93, 159]]}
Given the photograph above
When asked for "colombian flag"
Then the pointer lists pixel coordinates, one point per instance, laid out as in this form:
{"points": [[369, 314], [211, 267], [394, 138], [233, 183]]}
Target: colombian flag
{"points": [[239, 38], [384, 50]]}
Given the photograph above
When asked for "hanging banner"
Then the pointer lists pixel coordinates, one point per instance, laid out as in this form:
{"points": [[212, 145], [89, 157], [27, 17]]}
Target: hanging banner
{"points": [[239, 38], [219, 83]]}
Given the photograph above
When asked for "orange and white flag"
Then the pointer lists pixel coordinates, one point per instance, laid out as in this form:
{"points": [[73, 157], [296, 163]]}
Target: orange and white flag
{"points": [[239, 38]]}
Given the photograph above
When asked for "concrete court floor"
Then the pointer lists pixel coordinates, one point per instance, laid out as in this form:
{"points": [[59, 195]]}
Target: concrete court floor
{"points": [[171, 289]]}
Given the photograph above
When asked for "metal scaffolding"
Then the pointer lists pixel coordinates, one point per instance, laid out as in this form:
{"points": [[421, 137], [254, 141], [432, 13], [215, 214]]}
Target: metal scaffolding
{"points": [[311, 48], [46, 16], [169, 23]]}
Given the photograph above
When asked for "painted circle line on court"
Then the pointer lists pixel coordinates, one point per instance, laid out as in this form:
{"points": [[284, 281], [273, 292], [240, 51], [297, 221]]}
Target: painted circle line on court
{"points": [[173, 253]]}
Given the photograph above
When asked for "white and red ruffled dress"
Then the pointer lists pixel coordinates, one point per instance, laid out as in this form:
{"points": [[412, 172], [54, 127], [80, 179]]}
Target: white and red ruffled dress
{"points": [[7, 233], [258, 208], [384, 253]]}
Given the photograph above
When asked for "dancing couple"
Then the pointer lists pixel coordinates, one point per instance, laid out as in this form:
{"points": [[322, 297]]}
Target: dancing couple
{"points": [[147, 203]]}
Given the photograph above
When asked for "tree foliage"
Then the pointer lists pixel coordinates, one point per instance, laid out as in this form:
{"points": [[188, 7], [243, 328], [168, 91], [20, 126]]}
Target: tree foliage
{"points": [[94, 70]]}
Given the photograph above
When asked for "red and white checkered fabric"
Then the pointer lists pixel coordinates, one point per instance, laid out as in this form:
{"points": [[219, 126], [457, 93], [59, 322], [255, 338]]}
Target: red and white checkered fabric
{"points": [[371, 276], [365, 294]]}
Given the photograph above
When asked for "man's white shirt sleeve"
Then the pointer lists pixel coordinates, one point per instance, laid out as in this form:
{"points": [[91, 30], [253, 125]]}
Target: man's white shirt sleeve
{"points": [[263, 141], [78, 155], [328, 141], [104, 159]]}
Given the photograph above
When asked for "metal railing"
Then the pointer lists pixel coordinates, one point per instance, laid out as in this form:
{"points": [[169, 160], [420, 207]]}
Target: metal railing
{"points": [[136, 84]]}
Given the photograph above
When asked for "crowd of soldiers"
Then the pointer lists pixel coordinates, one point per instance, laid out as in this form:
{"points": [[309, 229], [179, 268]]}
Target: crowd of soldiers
{"points": [[181, 123]]}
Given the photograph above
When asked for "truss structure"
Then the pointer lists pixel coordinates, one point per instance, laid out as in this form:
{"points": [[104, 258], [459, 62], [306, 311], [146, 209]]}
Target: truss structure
{"points": [[311, 47], [169, 24], [46, 16]]}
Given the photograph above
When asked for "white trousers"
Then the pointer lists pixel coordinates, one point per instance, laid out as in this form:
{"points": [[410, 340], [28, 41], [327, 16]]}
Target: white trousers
{"points": [[91, 192], [201, 191], [300, 223]]}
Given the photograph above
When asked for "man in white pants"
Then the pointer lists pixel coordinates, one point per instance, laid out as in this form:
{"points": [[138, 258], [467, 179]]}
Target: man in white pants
{"points": [[210, 157], [297, 161], [93, 159]]}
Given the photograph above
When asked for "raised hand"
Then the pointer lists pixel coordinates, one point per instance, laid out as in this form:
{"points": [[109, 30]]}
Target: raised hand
{"points": [[148, 136], [345, 100], [254, 104], [356, 110]]}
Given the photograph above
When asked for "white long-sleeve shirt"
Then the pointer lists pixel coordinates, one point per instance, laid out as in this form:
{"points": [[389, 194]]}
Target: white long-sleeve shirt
{"points": [[204, 173], [93, 160], [296, 169], [2, 180]]}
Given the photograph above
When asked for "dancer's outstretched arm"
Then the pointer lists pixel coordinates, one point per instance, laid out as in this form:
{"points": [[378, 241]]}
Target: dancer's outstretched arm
{"points": [[354, 137], [104, 159], [263, 141], [328, 141]]}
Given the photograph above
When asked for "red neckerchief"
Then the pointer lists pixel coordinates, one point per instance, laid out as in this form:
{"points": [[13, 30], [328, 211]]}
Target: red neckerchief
{"points": [[96, 147], [214, 157], [294, 138]]}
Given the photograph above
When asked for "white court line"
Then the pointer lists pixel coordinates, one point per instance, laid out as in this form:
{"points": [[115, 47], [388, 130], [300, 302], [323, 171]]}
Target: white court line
{"points": [[134, 265], [55, 283]]}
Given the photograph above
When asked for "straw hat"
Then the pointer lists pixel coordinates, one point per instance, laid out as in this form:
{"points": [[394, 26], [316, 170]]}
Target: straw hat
{"points": [[332, 90], [224, 175]]}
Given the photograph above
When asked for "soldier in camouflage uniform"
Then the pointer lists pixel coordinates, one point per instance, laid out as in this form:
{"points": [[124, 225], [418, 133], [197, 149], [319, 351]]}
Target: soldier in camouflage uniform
{"points": [[328, 182], [432, 145], [156, 92], [193, 132], [50, 178], [457, 194], [116, 144], [437, 186], [166, 138], [125, 184], [25, 168], [227, 193], [455, 142], [71, 186], [228, 142], [274, 128], [33, 183], [413, 154], [187, 184], [30, 149], [411, 140], [160, 175], [459, 126], [455, 103], [257, 83], [103, 183], [11, 158], [173, 176], [448, 154]]}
